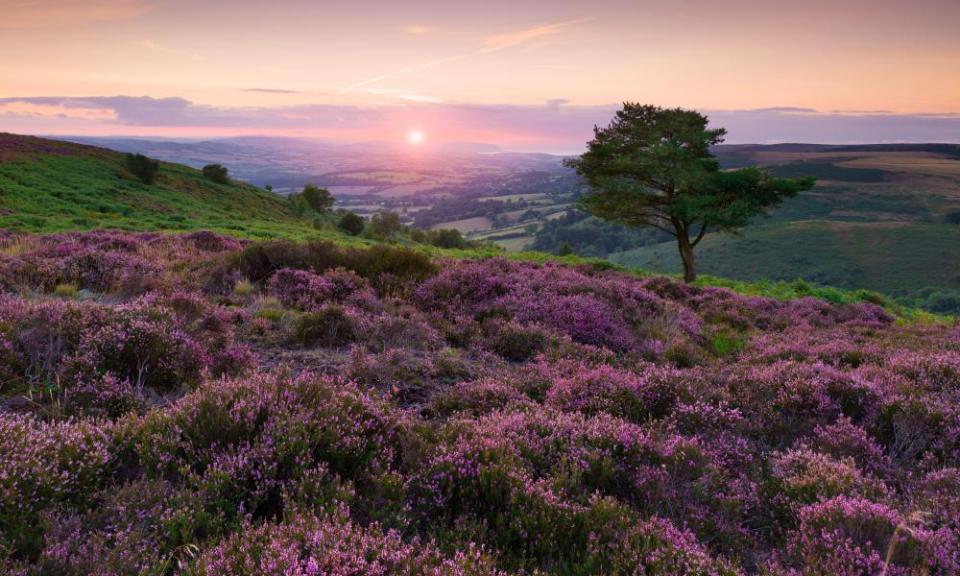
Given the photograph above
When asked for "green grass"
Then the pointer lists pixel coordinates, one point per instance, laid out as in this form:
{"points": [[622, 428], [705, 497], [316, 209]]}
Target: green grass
{"points": [[892, 258], [91, 190]]}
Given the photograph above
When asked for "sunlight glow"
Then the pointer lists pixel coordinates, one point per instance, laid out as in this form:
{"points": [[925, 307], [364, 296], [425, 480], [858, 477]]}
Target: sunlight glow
{"points": [[415, 137]]}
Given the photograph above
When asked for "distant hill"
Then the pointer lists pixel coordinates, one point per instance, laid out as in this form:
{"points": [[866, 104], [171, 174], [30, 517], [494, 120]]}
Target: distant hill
{"points": [[882, 217], [51, 185]]}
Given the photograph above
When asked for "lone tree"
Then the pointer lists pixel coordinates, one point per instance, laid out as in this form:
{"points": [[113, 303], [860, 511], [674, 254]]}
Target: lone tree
{"points": [[653, 167], [319, 199], [217, 173]]}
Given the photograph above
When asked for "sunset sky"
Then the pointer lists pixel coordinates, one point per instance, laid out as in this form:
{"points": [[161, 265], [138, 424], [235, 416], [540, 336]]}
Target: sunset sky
{"points": [[523, 74]]}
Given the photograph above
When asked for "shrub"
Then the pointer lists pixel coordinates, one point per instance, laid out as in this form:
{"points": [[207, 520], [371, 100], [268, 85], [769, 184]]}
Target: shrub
{"points": [[856, 536], [145, 169], [45, 464], [123, 534], [329, 326], [352, 224], [636, 395], [515, 342], [804, 477], [299, 288], [441, 238], [308, 545], [477, 398], [211, 242], [386, 267], [385, 224], [216, 173]]}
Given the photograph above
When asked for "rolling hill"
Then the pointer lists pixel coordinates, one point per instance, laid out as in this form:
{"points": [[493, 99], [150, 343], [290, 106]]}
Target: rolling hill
{"points": [[50, 186], [881, 217]]}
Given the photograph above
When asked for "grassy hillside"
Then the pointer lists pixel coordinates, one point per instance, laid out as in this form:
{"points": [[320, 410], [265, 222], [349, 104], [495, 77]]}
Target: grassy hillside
{"points": [[52, 186], [880, 218]]}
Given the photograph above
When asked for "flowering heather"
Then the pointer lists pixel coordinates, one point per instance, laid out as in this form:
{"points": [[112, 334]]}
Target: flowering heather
{"points": [[198, 405]]}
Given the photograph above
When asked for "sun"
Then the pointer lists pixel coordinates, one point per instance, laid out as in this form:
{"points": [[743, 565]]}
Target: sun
{"points": [[415, 137]]}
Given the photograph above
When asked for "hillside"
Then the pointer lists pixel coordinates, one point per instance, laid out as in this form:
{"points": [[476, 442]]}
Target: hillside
{"points": [[882, 217], [188, 405], [50, 185]]}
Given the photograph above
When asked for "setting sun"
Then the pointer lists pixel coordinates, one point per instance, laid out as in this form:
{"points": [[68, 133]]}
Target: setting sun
{"points": [[415, 137]]}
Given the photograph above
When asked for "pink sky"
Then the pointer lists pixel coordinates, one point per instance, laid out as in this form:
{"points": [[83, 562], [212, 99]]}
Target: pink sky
{"points": [[522, 74]]}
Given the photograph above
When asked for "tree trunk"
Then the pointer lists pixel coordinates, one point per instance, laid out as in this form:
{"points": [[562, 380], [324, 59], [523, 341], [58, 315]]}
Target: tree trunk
{"points": [[686, 255]]}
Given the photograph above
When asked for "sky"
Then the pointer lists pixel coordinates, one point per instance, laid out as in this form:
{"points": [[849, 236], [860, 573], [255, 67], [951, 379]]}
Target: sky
{"points": [[522, 74]]}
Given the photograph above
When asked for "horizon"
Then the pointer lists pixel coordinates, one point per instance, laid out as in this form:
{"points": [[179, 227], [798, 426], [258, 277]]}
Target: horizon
{"points": [[515, 75]]}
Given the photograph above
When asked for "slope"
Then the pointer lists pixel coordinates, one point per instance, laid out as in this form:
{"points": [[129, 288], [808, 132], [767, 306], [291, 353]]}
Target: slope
{"points": [[50, 186]]}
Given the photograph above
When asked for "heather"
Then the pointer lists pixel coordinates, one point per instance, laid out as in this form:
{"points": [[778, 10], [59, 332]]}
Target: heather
{"points": [[193, 404]]}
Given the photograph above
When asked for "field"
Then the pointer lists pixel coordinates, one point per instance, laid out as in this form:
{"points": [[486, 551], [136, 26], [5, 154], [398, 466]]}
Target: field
{"points": [[192, 405]]}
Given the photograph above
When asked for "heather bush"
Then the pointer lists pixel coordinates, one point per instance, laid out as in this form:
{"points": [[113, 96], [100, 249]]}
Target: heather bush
{"points": [[542, 457], [636, 395], [43, 465], [401, 328], [144, 345], [514, 341], [851, 536], [589, 310], [308, 545], [452, 417], [300, 289], [124, 534], [477, 398], [387, 267], [801, 477], [329, 326], [242, 447], [210, 242]]}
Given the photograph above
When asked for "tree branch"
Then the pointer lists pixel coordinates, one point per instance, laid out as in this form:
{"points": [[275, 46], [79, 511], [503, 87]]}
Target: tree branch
{"points": [[703, 230]]}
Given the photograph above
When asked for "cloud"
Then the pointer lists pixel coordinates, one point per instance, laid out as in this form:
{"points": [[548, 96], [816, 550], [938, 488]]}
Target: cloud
{"points": [[776, 125], [32, 14], [34, 110], [178, 112], [556, 125], [402, 71], [271, 90], [491, 44], [520, 37]]}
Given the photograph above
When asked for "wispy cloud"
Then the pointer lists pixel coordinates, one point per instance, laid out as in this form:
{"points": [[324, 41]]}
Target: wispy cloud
{"points": [[32, 14], [520, 37], [491, 44], [271, 90], [404, 71]]}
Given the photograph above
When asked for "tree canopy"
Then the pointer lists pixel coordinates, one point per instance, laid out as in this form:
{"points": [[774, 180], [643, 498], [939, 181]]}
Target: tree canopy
{"points": [[654, 167], [319, 199], [217, 173]]}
